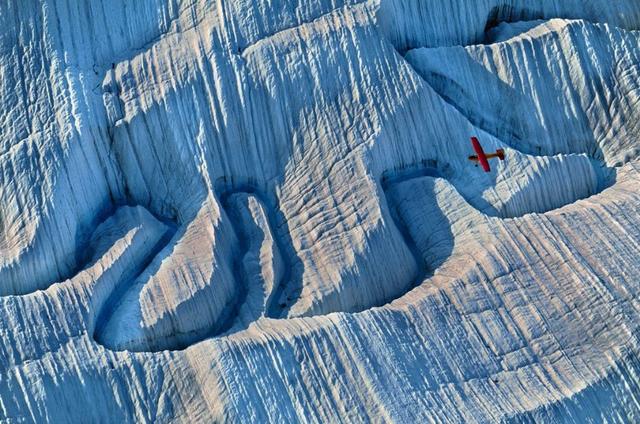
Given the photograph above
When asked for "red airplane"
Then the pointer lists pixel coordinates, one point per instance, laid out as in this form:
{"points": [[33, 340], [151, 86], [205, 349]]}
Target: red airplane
{"points": [[482, 157]]}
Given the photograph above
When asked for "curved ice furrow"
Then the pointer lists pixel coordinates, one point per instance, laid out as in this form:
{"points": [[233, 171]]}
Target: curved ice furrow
{"points": [[281, 32], [118, 250], [111, 302], [192, 272], [125, 325], [260, 268], [545, 108], [95, 35], [224, 34], [418, 23], [435, 243]]}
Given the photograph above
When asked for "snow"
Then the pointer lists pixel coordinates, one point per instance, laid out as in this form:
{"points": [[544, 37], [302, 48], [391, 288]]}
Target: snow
{"points": [[252, 210]]}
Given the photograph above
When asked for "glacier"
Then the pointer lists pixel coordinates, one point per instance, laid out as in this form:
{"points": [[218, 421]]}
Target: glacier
{"points": [[263, 211]]}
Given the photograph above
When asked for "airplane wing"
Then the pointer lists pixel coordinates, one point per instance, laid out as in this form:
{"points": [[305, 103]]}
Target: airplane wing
{"points": [[482, 157]]}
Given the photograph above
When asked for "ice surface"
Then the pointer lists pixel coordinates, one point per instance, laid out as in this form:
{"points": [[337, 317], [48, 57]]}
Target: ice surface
{"points": [[263, 210], [582, 97]]}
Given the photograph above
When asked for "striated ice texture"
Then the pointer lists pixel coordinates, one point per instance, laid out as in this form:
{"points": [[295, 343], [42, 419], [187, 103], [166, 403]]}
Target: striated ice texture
{"points": [[264, 211]]}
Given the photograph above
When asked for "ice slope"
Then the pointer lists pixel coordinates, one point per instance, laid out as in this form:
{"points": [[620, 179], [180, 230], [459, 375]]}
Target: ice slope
{"points": [[428, 23], [263, 211], [50, 198], [574, 112]]}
